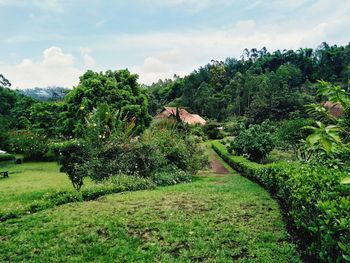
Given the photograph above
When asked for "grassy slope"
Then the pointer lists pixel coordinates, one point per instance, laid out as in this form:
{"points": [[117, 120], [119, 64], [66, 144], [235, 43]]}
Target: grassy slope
{"points": [[214, 219], [28, 182]]}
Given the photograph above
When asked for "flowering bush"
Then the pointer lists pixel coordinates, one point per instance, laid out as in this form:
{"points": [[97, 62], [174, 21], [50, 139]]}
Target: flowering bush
{"points": [[31, 144]]}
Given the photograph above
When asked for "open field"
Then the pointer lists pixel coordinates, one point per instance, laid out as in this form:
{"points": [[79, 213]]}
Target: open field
{"points": [[217, 218], [29, 181]]}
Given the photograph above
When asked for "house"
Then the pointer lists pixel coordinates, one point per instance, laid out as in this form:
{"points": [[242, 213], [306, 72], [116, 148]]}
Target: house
{"points": [[334, 109], [185, 116]]}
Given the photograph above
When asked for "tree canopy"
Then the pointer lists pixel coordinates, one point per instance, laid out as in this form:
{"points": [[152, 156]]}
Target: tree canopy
{"points": [[260, 85]]}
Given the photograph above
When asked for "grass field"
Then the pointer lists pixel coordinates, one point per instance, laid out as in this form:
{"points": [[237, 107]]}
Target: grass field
{"points": [[28, 182], [217, 218]]}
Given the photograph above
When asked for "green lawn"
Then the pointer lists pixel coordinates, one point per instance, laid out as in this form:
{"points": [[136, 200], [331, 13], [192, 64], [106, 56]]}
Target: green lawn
{"points": [[28, 182], [217, 218]]}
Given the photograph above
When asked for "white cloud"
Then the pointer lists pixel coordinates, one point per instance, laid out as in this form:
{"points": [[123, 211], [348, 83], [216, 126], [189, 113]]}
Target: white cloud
{"points": [[286, 24], [183, 51], [89, 61], [55, 69]]}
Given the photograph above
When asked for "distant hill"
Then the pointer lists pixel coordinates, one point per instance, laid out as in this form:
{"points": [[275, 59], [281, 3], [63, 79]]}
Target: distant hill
{"points": [[46, 94]]}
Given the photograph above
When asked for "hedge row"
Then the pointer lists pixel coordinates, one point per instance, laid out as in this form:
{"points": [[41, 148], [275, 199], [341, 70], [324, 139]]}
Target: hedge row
{"points": [[7, 157], [115, 184], [313, 199]]}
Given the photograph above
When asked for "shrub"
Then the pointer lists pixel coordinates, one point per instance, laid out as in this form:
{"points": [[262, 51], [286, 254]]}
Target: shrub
{"points": [[256, 142], [116, 184], [316, 202], [32, 145], [4, 136], [74, 156], [213, 130], [235, 126], [198, 131], [159, 149], [179, 149], [7, 157], [19, 160], [291, 132], [171, 176]]}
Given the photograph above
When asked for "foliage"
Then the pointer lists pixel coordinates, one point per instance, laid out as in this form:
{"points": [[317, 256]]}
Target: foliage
{"points": [[118, 89], [198, 131], [116, 184], [108, 150], [261, 85], [213, 130], [313, 197], [158, 149], [330, 136], [74, 156], [45, 117], [290, 133], [4, 137], [31, 144], [234, 126], [7, 157], [256, 142], [171, 176]]}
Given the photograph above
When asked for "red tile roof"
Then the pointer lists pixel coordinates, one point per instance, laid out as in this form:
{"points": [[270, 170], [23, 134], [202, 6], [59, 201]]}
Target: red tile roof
{"points": [[184, 115], [334, 108]]}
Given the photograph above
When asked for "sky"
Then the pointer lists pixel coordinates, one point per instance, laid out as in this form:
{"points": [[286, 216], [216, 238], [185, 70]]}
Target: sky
{"points": [[53, 42]]}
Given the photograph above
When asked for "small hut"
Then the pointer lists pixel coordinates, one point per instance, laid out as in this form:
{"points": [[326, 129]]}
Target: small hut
{"points": [[335, 109], [184, 115]]}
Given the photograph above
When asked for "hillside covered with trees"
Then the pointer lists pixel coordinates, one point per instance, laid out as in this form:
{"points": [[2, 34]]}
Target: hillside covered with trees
{"points": [[259, 85]]}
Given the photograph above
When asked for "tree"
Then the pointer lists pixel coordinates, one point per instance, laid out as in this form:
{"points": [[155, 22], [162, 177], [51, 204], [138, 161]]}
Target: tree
{"points": [[256, 142], [45, 117], [119, 89], [4, 82]]}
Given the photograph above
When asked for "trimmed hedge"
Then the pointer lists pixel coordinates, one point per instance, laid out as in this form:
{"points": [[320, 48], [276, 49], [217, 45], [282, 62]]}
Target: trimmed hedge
{"points": [[115, 184], [7, 157], [314, 200]]}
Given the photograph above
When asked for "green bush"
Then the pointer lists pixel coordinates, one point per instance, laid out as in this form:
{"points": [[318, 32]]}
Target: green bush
{"points": [[163, 146], [256, 142], [32, 145], [7, 157], [4, 136], [313, 198], [74, 156], [171, 176], [198, 131], [158, 149], [116, 184], [290, 132], [235, 126], [213, 130]]}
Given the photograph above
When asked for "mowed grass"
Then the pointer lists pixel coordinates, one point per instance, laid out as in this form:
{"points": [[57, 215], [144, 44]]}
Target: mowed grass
{"points": [[217, 218], [28, 182]]}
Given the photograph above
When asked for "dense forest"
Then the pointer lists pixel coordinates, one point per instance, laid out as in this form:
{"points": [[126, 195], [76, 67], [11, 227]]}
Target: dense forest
{"points": [[260, 85]]}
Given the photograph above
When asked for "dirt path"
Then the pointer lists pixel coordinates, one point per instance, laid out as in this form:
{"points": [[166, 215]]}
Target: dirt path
{"points": [[217, 167]]}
